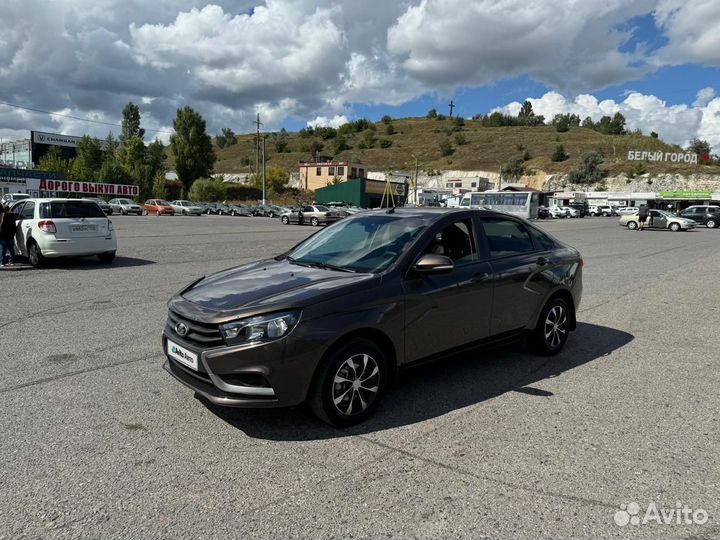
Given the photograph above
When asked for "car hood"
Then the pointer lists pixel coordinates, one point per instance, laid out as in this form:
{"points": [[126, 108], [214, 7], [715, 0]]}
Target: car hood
{"points": [[264, 286]]}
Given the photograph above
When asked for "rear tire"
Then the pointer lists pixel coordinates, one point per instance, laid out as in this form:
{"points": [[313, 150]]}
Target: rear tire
{"points": [[632, 225], [349, 383], [553, 327], [285, 220], [711, 223], [35, 255], [106, 258], [122, 212]]}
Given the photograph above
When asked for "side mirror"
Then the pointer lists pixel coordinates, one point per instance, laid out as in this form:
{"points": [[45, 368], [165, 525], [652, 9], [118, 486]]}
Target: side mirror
{"points": [[431, 263]]}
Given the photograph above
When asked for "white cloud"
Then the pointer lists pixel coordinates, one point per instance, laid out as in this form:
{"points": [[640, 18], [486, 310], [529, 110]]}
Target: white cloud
{"points": [[693, 30], [322, 121], [676, 124], [704, 96]]}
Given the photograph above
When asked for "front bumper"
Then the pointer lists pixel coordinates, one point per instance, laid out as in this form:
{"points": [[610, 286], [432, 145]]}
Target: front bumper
{"points": [[280, 372]]}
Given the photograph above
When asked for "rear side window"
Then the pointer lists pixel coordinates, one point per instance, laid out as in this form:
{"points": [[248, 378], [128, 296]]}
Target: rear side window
{"points": [[506, 237], [543, 240], [71, 209]]}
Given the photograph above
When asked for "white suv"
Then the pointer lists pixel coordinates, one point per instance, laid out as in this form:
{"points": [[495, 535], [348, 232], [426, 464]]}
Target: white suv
{"points": [[50, 228]]}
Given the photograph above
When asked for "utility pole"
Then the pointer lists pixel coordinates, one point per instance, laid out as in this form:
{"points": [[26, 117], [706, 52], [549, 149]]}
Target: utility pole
{"points": [[257, 144], [415, 181], [452, 106], [263, 169]]}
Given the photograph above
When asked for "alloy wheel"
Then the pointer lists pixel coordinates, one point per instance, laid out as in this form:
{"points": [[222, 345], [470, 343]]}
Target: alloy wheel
{"points": [[555, 326], [355, 385]]}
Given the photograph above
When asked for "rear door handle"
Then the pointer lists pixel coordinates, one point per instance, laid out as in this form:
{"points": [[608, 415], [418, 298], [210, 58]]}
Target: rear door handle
{"points": [[542, 261], [479, 278]]}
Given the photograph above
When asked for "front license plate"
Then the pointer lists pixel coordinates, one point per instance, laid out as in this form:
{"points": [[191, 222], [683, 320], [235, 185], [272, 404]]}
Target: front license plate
{"points": [[83, 228], [182, 355]]}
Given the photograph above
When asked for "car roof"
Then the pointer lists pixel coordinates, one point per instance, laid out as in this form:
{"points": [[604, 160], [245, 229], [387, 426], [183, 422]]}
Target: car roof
{"points": [[434, 212], [54, 199]]}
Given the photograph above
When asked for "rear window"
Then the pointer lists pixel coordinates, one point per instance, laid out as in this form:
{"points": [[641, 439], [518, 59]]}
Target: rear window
{"points": [[70, 209]]}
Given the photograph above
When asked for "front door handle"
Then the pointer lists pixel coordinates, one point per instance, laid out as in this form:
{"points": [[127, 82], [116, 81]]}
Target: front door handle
{"points": [[542, 261], [479, 278]]}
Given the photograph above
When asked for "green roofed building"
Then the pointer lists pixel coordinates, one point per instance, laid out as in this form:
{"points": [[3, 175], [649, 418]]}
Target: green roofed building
{"points": [[361, 192]]}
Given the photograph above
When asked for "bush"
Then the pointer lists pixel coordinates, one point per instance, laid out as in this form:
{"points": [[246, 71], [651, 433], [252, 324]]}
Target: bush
{"points": [[385, 143], [389, 129], [446, 148], [513, 169], [654, 134], [340, 144], [559, 154], [432, 113], [386, 119], [207, 189], [239, 192], [527, 156], [636, 169], [460, 139], [459, 121], [590, 170]]}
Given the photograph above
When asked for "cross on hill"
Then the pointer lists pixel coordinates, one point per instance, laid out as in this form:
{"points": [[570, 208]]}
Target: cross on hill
{"points": [[452, 106]]}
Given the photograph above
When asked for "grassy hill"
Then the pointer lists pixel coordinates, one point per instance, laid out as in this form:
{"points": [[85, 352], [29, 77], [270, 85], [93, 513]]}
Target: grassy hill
{"points": [[484, 149]]}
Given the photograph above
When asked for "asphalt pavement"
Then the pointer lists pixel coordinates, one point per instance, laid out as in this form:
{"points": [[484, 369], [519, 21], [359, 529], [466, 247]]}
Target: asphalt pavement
{"points": [[97, 441]]}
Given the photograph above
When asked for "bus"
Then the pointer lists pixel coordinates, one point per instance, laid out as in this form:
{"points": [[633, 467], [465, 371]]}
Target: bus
{"points": [[517, 203]]}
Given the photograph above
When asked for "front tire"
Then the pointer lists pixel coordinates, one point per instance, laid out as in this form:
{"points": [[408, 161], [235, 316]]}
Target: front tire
{"points": [[349, 383], [674, 227], [314, 222], [632, 225], [285, 220], [551, 332], [35, 255]]}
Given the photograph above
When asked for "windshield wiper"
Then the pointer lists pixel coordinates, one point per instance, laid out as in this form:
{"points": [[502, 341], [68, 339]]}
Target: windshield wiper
{"points": [[318, 264]]}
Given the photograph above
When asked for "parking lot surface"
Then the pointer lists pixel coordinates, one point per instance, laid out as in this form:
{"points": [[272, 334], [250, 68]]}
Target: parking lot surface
{"points": [[98, 441]]}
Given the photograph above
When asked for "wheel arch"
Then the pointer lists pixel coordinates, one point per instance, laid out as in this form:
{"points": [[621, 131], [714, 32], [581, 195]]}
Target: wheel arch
{"points": [[565, 295], [380, 338]]}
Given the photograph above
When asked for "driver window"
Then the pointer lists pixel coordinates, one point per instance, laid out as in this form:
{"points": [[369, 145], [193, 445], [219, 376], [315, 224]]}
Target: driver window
{"points": [[455, 241], [28, 211]]}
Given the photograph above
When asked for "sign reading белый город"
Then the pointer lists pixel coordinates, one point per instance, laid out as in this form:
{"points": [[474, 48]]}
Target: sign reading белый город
{"points": [[674, 157]]}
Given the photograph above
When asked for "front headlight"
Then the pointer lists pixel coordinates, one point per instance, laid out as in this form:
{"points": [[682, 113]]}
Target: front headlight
{"points": [[260, 329]]}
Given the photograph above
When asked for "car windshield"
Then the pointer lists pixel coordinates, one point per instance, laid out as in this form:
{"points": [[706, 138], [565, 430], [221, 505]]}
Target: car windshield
{"points": [[125, 201], [70, 209], [160, 202], [363, 244]]}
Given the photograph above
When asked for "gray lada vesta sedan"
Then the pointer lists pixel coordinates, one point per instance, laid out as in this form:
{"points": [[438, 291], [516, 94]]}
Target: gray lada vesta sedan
{"points": [[333, 320]]}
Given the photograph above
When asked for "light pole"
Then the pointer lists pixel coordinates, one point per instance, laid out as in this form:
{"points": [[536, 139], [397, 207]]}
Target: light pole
{"points": [[415, 179], [263, 170]]}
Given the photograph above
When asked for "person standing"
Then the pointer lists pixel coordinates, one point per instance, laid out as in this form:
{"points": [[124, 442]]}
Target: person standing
{"points": [[642, 216], [7, 235]]}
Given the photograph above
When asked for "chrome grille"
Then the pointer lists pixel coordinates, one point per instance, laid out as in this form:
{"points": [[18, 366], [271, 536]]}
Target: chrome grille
{"points": [[203, 335]]}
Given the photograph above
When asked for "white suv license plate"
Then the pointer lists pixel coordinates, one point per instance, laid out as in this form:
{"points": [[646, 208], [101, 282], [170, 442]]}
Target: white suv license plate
{"points": [[83, 228], [182, 355]]}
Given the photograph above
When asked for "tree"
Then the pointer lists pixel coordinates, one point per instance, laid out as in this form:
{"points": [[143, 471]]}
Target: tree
{"points": [[561, 123], [526, 111], [207, 189], [191, 146], [112, 146], [513, 169], [89, 159], [389, 129], [160, 187], [315, 147], [281, 141], [340, 144], [326, 132], [446, 148], [588, 123], [654, 134], [590, 170], [386, 119], [432, 113], [276, 179], [131, 123], [699, 146], [369, 139], [617, 124], [226, 138], [559, 154], [53, 161]]}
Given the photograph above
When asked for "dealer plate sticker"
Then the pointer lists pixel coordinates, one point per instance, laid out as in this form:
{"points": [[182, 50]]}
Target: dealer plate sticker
{"points": [[182, 355]]}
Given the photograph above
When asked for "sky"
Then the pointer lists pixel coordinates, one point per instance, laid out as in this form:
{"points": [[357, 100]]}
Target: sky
{"points": [[325, 62]]}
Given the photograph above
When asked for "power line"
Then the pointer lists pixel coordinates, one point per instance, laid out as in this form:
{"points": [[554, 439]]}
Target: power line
{"points": [[76, 117]]}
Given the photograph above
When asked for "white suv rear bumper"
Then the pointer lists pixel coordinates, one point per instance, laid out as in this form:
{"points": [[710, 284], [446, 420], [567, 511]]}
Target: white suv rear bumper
{"points": [[76, 247]]}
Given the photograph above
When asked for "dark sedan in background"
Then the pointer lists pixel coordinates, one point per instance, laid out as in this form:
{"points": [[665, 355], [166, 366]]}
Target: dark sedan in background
{"points": [[333, 320], [312, 214]]}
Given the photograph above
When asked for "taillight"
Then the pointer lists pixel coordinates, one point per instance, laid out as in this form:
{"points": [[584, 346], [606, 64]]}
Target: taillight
{"points": [[47, 226], [110, 225]]}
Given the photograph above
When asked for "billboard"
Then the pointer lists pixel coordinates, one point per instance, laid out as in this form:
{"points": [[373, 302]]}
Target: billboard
{"points": [[68, 186]]}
